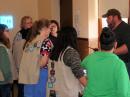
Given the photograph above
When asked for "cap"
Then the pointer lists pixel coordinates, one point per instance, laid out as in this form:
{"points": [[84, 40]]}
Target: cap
{"points": [[112, 12]]}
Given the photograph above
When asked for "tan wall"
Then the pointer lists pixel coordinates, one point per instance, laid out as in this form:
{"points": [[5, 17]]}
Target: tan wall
{"points": [[93, 24], [49, 9], [121, 5], [55, 7], [85, 19], [80, 17], [35, 8], [86, 12], [18, 8], [44, 8], [84, 16]]}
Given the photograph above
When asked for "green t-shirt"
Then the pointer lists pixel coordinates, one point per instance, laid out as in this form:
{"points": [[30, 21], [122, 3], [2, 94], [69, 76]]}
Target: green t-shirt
{"points": [[107, 76]]}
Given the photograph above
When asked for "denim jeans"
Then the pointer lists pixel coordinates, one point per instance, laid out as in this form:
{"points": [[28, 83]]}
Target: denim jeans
{"points": [[20, 88], [38, 89], [5, 90]]}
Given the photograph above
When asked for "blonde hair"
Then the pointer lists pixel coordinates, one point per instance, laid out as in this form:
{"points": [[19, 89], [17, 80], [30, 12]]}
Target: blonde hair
{"points": [[23, 20]]}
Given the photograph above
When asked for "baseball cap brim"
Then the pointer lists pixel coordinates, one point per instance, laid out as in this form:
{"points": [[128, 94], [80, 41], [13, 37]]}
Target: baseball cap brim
{"points": [[112, 12], [105, 15]]}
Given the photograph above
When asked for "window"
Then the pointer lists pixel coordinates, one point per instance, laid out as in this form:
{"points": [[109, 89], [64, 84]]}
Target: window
{"points": [[7, 20], [104, 22]]}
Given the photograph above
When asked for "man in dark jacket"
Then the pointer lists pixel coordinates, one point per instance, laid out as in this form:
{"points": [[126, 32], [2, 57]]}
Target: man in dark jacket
{"points": [[122, 32]]}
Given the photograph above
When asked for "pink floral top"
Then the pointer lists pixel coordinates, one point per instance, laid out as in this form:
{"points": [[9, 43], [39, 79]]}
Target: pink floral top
{"points": [[46, 47]]}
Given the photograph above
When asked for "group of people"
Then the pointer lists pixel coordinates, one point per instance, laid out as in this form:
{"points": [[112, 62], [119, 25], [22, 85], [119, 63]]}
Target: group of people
{"points": [[109, 69], [47, 62]]}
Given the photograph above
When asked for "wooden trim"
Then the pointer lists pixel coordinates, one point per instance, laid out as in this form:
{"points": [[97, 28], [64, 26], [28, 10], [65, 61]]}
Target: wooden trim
{"points": [[86, 39], [83, 47], [99, 25], [129, 14], [99, 28]]}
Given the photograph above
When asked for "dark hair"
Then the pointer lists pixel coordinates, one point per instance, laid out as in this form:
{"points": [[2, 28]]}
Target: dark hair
{"points": [[37, 26], [107, 39], [66, 37], [55, 22], [3, 39]]}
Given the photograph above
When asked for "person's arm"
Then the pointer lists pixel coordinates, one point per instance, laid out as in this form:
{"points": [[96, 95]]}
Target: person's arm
{"points": [[45, 52], [72, 59], [125, 39], [83, 80], [5, 65], [43, 60], [121, 50], [83, 64], [123, 81]]}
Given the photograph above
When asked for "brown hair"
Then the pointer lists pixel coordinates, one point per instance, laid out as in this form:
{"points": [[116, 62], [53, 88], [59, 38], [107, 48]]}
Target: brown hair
{"points": [[37, 26], [55, 22], [3, 39]]}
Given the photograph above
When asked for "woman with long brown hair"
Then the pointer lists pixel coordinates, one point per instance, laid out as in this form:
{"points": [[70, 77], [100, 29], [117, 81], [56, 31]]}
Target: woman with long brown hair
{"points": [[33, 68], [6, 65]]}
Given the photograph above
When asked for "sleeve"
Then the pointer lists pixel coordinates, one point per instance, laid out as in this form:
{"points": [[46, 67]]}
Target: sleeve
{"points": [[84, 62], [72, 59], [46, 47], [126, 37], [122, 81], [5, 65]]}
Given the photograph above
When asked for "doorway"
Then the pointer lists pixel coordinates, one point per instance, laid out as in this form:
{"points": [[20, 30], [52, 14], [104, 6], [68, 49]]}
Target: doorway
{"points": [[66, 13]]}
